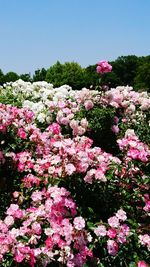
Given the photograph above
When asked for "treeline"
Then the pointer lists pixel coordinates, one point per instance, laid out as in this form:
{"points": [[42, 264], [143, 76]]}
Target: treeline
{"points": [[126, 70]]}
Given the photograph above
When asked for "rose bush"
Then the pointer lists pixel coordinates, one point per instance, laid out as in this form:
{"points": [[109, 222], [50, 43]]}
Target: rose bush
{"points": [[75, 181]]}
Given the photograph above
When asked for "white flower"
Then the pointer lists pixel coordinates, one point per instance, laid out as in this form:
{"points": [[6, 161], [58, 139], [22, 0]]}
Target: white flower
{"points": [[41, 117]]}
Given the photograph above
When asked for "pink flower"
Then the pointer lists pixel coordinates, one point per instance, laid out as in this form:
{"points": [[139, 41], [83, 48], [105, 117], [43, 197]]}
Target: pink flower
{"points": [[145, 239], [121, 215], [54, 128], [125, 229], [9, 220], [103, 67], [19, 214], [21, 133], [61, 243], [142, 264], [116, 119], [99, 175], [16, 194], [100, 230], [111, 233], [64, 120], [3, 227], [49, 242], [19, 257], [12, 209], [147, 206], [115, 129], [112, 247], [79, 223], [84, 123], [21, 166], [88, 104], [36, 196], [121, 238], [73, 124], [113, 222], [36, 227], [70, 168]]}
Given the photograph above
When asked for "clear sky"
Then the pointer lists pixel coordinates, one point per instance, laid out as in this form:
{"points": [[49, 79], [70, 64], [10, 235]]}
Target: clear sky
{"points": [[37, 33]]}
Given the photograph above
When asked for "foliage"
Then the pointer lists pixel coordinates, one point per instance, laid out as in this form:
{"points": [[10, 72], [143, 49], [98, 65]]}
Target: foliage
{"points": [[39, 75], [142, 79], [11, 77], [67, 73], [25, 77]]}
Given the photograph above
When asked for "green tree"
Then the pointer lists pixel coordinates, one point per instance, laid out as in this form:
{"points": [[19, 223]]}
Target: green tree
{"points": [[11, 77], [142, 79], [39, 75], [125, 68], [1, 77], [54, 74], [111, 80], [26, 77], [69, 73], [73, 75], [91, 76]]}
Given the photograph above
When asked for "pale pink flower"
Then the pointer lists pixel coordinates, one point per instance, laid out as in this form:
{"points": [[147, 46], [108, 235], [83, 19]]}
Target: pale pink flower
{"points": [[121, 238], [3, 227], [73, 124], [145, 239], [9, 220], [125, 229], [121, 215], [36, 227], [84, 123], [115, 129], [36, 196], [64, 120], [88, 104], [12, 209], [70, 169], [15, 194], [112, 247], [113, 222], [79, 223], [99, 175], [100, 230]]}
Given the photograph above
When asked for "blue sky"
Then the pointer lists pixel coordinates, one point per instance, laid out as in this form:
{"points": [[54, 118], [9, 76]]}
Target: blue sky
{"points": [[37, 33]]}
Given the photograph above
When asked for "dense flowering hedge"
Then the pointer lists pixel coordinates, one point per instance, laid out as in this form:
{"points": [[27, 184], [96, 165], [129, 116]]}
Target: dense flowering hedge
{"points": [[74, 169]]}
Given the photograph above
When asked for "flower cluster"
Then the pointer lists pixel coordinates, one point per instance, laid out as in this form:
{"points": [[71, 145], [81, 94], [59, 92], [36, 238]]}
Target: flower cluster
{"points": [[128, 99], [64, 182], [147, 203], [136, 149], [103, 67], [145, 240], [10, 115], [64, 105], [115, 233], [49, 230], [55, 155]]}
